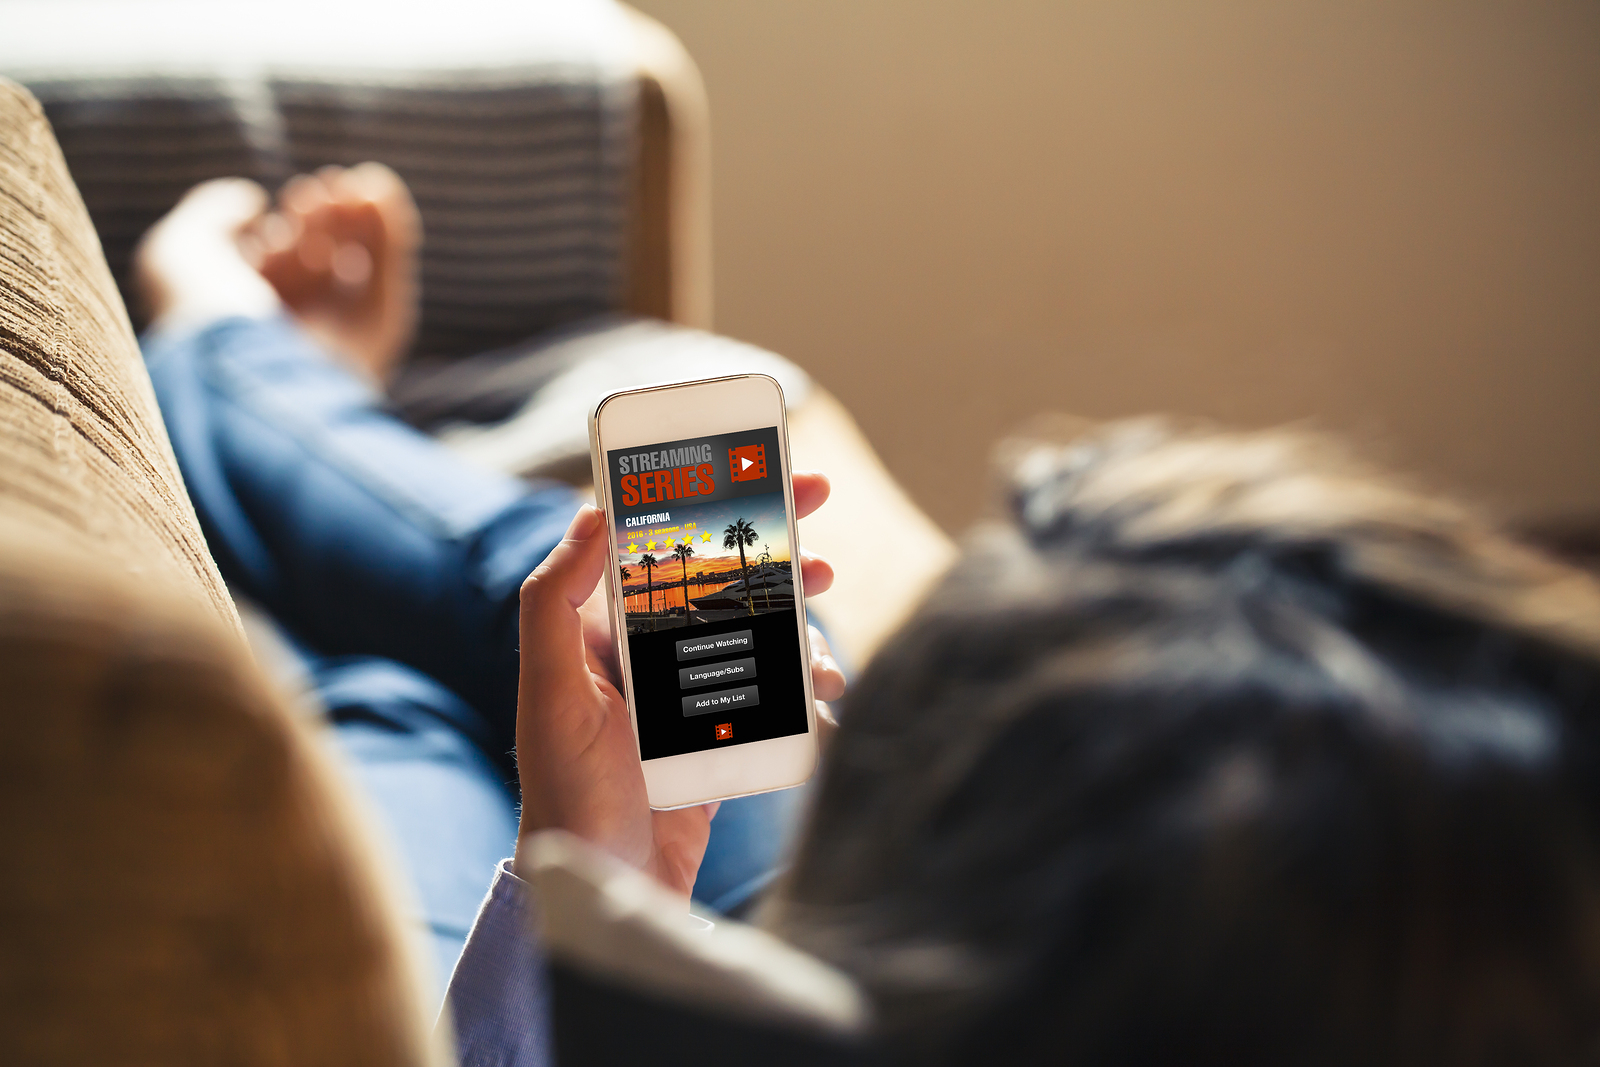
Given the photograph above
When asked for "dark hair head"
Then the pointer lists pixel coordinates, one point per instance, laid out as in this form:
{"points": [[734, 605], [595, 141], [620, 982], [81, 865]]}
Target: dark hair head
{"points": [[1225, 750]]}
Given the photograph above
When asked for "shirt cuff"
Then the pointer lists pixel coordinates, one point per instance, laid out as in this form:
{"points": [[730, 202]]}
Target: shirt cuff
{"points": [[498, 997]]}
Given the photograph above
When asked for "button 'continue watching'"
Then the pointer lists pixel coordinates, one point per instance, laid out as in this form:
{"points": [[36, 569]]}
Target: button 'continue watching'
{"points": [[715, 645]]}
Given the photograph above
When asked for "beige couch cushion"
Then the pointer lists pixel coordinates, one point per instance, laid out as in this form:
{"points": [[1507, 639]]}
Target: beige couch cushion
{"points": [[83, 454], [186, 881]]}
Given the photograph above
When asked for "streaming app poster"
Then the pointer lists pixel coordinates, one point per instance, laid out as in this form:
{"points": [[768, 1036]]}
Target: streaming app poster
{"points": [[684, 510]]}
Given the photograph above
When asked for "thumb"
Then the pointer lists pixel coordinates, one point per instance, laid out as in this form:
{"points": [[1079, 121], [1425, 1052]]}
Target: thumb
{"points": [[551, 634]]}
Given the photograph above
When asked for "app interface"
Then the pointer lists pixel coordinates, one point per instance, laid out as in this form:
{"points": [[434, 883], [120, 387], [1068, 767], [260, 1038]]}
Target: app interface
{"points": [[708, 591]]}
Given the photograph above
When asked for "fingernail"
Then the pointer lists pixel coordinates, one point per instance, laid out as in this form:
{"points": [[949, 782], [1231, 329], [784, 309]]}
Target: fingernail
{"points": [[584, 523], [828, 663]]}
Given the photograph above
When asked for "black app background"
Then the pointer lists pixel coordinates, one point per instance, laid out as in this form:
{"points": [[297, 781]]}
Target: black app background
{"points": [[664, 728]]}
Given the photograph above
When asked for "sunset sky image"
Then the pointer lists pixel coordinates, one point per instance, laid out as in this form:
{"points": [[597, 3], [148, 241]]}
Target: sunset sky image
{"points": [[712, 565]]}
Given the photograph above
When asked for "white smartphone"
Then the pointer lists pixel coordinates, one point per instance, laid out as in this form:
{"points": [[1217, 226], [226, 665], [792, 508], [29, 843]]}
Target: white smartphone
{"points": [[705, 593]]}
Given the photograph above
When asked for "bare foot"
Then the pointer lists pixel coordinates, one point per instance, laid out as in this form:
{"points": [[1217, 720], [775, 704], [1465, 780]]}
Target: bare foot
{"points": [[188, 269], [340, 250]]}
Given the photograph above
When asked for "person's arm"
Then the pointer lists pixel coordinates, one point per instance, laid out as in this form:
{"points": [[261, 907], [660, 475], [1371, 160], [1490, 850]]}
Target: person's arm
{"points": [[497, 1000], [579, 765]]}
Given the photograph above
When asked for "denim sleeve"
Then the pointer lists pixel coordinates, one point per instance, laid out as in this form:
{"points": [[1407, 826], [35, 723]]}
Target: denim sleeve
{"points": [[498, 996]]}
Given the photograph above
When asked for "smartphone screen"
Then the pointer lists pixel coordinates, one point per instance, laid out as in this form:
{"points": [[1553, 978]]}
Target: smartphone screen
{"points": [[708, 592]]}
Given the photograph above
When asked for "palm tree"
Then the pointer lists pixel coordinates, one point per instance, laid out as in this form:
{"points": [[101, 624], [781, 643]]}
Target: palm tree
{"points": [[681, 553], [737, 535], [649, 563], [626, 574]]}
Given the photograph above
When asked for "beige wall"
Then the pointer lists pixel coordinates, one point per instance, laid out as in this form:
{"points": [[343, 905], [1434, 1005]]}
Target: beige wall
{"points": [[1384, 217]]}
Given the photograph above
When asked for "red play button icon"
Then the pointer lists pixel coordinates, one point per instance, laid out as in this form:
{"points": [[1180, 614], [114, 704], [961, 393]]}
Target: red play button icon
{"points": [[724, 731], [747, 463]]}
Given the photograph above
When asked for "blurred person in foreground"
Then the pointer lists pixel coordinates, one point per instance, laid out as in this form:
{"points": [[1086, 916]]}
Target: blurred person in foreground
{"points": [[390, 565], [1225, 748]]}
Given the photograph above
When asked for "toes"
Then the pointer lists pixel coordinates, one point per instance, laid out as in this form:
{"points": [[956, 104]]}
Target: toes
{"points": [[276, 244], [275, 233], [356, 221], [304, 195], [309, 230], [341, 252], [368, 204], [381, 187], [344, 222], [375, 208], [315, 249], [351, 265]]}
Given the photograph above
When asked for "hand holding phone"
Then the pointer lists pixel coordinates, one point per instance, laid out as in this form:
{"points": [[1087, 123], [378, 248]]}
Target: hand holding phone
{"points": [[576, 751]]}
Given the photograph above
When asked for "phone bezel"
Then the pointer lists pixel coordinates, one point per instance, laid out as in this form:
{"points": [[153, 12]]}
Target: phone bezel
{"points": [[669, 412]]}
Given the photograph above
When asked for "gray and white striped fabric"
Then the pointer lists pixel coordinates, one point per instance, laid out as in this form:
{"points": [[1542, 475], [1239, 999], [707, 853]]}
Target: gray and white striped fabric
{"points": [[511, 122]]}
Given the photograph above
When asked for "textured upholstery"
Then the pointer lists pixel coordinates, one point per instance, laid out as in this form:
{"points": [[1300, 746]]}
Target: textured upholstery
{"points": [[83, 455], [185, 879]]}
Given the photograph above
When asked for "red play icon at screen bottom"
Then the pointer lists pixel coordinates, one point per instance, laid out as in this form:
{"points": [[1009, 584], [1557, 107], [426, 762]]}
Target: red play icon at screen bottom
{"points": [[724, 731]]}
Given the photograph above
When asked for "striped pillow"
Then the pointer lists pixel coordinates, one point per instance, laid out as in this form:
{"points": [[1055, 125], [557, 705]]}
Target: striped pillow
{"points": [[512, 123]]}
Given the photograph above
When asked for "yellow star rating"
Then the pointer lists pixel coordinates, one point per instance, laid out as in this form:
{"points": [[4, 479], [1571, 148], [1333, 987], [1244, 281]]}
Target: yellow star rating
{"points": [[705, 538], [649, 546], [633, 547]]}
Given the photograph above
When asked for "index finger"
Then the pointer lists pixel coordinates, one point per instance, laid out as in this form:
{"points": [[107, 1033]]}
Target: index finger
{"points": [[811, 491]]}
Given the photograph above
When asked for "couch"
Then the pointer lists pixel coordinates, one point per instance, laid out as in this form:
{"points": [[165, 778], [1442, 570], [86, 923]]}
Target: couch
{"points": [[190, 879]]}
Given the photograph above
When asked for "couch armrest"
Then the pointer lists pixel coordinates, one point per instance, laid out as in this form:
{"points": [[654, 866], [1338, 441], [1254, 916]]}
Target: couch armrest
{"points": [[669, 221]]}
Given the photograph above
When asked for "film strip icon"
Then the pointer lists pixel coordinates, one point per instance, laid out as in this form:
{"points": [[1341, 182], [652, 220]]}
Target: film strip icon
{"points": [[747, 463]]}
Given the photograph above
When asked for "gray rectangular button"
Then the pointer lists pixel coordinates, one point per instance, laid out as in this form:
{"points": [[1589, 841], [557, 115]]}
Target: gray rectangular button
{"points": [[715, 645], [733, 670], [722, 700]]}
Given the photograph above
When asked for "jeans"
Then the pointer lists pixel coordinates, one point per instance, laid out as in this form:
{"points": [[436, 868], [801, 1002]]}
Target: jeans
{"points": [[393, 568]]}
